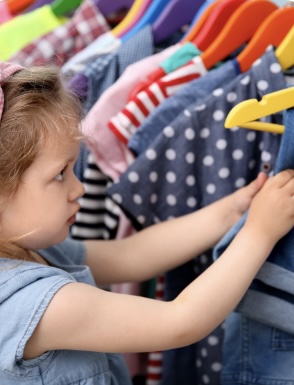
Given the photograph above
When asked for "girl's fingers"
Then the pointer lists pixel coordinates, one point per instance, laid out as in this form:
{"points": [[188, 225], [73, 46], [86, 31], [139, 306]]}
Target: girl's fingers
{"points": [[260, 180], [283, 178]]}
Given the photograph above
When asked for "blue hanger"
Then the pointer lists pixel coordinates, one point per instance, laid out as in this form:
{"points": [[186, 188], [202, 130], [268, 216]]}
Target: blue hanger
{"points": [[107, 6], [175, 15], [155, 9]]}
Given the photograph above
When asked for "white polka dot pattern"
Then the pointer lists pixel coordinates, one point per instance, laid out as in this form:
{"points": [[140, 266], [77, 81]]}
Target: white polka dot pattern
{"points": [[195, 161]]}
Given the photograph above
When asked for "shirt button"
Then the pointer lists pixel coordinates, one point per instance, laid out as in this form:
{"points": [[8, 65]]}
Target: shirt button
{"points": [[266, 167]]}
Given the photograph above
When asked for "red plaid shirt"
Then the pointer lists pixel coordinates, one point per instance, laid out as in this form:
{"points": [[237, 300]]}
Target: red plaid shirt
{"points": [[59, 45]]}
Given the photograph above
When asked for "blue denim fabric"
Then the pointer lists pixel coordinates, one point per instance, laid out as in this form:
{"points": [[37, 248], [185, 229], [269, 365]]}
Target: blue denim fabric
{"points": [[26, 289], [270, 298], [255, 353], [196, 136], [172, 177], [105, 70]]}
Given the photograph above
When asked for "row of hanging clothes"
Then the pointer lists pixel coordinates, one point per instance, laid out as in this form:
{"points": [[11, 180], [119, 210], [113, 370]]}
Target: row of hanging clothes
{"points": [[184, 102]]}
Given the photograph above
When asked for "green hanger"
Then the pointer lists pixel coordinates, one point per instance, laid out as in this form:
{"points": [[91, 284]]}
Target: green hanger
{"points": [[63, 7]]}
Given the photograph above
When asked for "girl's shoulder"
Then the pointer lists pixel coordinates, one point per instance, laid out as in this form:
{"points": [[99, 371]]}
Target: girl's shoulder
{"points": [[26, 289]]}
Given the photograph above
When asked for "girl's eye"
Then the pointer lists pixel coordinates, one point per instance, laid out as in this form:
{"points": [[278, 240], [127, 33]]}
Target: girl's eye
{"points": [[60, 176]]}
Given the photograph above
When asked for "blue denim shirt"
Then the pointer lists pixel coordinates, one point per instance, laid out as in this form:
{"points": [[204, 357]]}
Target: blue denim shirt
{"points": [[26, 288], [270, 298]]}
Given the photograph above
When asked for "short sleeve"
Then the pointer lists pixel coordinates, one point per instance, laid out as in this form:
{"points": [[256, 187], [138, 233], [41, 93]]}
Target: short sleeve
{"points": [[69, 252], [25, 296]]}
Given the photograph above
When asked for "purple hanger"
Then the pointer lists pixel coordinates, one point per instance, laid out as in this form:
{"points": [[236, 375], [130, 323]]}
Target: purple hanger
{"points": [[174, 16], [107, 6]]}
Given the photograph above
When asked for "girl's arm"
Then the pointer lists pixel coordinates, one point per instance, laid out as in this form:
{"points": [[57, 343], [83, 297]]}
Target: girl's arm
{"points": [[164, 246], [82, 317]]}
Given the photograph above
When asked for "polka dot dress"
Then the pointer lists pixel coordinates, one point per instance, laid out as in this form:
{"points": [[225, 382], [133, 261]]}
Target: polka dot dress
{"points": [[192, 163]]}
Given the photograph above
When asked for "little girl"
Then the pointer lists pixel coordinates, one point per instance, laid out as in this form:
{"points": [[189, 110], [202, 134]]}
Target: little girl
{"points": [[55, 322]]}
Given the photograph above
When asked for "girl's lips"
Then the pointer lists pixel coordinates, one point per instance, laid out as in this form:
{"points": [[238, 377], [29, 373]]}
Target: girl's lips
{"points": [[72, 219]]}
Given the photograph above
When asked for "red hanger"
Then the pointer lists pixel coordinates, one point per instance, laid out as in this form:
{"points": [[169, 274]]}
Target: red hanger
{"points": [[196, 28], [206, 30], [271, 32], [238, 30], [216, 22], [17, 6]]}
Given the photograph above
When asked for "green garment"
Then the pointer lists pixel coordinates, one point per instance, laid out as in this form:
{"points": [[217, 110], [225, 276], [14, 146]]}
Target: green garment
{"points": [[23, 29]]}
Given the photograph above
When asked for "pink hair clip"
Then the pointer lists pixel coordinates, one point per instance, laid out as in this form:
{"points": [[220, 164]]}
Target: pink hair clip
{"points": [[6, 69]]}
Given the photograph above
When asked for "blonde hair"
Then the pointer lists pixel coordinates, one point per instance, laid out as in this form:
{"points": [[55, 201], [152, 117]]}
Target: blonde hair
{"points": [[37, 108]]}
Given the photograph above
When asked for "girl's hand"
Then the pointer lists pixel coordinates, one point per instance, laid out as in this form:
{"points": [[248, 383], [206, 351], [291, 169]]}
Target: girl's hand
{"points": [[242, 198], [271, 212]]}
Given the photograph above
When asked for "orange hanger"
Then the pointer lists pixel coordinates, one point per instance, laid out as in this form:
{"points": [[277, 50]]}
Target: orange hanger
{"points": [[17, 6], [159, 72], [271, 32], [196, 28], [216, 22], [238, 30], [207, 29], [245, 113]]}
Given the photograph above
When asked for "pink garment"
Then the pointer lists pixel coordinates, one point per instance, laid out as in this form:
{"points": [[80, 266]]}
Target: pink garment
{"points": [[125, 123], [111, 155], [5, 14]]}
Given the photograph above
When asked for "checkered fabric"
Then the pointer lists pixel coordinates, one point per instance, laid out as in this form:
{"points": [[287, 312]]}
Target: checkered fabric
{"points": [[59, 45]]}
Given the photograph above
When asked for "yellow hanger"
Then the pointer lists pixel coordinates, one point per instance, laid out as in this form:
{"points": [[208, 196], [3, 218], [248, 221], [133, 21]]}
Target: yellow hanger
{"points": [[245, 113], [285, 51]]}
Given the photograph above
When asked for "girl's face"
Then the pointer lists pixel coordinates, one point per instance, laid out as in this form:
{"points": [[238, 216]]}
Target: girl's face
{"points": [[45, 203]]}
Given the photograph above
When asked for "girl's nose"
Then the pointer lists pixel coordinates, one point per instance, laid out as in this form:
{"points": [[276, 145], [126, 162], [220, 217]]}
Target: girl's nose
{"points": [[77, 189]]}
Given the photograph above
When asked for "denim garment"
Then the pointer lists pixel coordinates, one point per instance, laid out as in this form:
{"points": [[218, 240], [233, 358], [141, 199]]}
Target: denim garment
{"points": [[256, 354], [193, 162], [26, 289], [270, 298], [104, 71]]}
